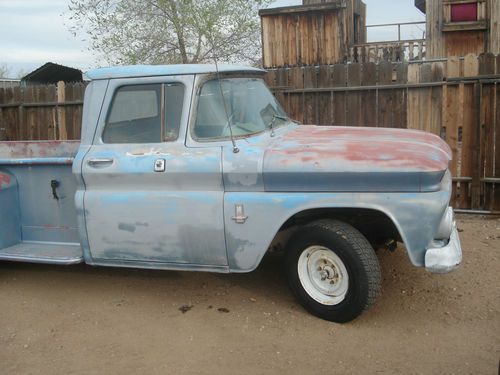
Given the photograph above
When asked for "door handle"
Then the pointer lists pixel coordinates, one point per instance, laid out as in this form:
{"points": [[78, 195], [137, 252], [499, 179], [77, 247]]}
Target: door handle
{"points": [[99, 162]]}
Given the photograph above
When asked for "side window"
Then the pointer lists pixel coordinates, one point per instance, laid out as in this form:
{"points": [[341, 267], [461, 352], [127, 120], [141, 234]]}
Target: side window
{"points": [[174, 99], [134, 116], [211, 116]]}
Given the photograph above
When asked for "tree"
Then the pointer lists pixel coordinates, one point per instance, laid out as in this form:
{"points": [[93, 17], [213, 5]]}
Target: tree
{"points": [[4, 71], [170, 31]]}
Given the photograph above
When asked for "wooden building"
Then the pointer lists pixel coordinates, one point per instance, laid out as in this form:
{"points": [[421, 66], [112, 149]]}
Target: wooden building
{"points": [[460, 27], [315, 33]]}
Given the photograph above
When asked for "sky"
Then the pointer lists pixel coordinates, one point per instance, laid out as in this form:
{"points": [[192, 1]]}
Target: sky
{"points": [[33, 32]]}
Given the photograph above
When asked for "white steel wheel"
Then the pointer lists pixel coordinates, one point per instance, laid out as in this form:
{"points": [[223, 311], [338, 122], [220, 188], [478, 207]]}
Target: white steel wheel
{"points": [[323, 275], [332, 270]]}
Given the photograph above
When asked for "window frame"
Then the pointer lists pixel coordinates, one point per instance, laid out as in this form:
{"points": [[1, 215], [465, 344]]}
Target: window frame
{"points": [[479, 24], [194, 108], [161, 108], [473, 5]]}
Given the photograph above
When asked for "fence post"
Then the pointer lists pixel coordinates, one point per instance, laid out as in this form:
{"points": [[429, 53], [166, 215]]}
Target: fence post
{"points": [[22, 127], [61, 113]]}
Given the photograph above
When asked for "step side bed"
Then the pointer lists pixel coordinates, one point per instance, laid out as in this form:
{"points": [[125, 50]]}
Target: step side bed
{"points": [[38, 222]]}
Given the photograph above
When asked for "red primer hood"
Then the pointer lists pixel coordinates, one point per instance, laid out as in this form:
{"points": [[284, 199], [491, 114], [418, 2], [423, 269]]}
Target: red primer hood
{"points": [[359, 148], [329, 158]]}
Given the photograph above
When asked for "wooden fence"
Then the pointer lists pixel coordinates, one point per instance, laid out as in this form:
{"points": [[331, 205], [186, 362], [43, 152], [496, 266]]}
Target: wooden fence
{"points": [[457, 99], [41, 112]]}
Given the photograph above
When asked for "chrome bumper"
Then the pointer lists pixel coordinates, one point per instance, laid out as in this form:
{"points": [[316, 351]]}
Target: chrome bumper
{"points": [[447, 258]]}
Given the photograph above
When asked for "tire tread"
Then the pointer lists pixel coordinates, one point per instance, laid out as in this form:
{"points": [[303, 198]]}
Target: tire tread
{"points": [[357, 251], [363, 249]]}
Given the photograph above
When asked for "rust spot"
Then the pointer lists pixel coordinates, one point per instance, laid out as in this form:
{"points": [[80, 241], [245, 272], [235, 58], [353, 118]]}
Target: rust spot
{"points": [[4, 180], [50, 226], [318, 135], [34, 149], [362, 148]]}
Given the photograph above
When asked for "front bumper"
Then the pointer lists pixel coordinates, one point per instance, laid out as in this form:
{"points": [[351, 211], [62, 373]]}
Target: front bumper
{"points": [[447, 258]]}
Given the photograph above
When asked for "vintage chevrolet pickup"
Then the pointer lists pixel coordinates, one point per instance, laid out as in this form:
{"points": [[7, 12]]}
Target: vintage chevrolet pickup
{"points": [[199, 169]]}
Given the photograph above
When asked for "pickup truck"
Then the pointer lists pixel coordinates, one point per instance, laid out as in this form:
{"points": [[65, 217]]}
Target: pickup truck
{"points": [[198, 168]]}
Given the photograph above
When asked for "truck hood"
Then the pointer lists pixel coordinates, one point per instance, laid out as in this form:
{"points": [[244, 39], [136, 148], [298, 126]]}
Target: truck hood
{"points": [[316, 158]]}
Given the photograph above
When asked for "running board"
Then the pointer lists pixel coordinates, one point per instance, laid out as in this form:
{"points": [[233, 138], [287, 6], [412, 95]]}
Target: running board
{"points": [[48, 253]]}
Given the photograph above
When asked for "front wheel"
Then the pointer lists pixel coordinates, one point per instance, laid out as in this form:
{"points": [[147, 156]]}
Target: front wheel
{"points": [[332, 270]]}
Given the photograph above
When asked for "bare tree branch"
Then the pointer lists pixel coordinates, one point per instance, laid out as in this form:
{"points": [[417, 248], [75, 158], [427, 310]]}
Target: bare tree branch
{"points": [[170, 31]]}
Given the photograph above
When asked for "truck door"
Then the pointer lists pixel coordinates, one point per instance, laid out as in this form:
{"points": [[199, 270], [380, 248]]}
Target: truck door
{"points": [[148, 198]]}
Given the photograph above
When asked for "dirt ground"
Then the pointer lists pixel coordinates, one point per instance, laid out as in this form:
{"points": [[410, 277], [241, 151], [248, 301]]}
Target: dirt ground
{"points": [[84, 320]]}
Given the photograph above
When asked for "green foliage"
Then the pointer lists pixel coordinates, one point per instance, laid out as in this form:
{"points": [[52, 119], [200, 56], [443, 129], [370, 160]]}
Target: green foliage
{"points": [[170, 31]]}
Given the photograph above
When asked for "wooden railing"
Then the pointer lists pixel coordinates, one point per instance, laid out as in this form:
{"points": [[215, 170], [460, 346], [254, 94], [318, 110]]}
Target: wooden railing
{"points": [[396, 50]]}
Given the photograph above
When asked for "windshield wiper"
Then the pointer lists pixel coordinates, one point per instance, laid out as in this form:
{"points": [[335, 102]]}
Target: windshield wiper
{"points": [[271, 124]]}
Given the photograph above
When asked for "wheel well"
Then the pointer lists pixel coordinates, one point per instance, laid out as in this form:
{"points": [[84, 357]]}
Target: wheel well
{"points": [[375, 225]]}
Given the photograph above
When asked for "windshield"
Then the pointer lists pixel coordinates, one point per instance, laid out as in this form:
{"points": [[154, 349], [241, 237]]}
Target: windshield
{"points": [[247, 106]]}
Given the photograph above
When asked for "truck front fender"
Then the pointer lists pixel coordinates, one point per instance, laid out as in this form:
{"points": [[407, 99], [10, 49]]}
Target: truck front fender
{"points": [[415, 215]]}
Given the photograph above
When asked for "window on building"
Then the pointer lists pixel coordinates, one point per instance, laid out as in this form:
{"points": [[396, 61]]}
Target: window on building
{"points": [[462, 15], [464, 12]]}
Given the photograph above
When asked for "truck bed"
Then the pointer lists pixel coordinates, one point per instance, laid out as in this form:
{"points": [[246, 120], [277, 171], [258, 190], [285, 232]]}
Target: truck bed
{"points": [[37, 225]]}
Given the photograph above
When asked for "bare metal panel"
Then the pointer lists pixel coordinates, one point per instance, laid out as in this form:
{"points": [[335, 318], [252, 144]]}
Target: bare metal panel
{"points": [[43, 217], [50, 253]]}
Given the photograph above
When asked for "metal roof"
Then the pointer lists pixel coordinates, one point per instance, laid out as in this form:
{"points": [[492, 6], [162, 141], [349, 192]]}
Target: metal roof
{"points": [[165, 70], [329, 6], [53, 73], [420, 4]]}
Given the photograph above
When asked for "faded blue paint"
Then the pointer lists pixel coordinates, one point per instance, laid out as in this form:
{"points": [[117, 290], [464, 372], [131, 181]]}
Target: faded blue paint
{"points": [[43, 252], [267, 212], [92, 110], [44, 218], [182, 208], [349, 181], [10, 220], [38, 152], [166, 70], [33, 221], [38, 161]]}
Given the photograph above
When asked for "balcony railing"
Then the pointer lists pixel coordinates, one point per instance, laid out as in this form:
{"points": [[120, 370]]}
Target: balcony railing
{"points": [[402, 50], [389, 50]]}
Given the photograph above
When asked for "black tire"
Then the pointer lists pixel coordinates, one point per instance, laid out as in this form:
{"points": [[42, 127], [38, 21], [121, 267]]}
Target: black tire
{"points": [[358, 258]]}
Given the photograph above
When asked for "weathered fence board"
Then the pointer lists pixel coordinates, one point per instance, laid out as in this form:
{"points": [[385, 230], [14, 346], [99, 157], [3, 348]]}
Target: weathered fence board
{"points": [[41, 112]]}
